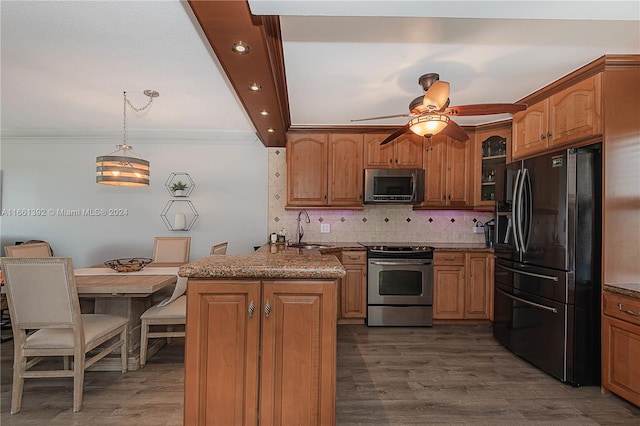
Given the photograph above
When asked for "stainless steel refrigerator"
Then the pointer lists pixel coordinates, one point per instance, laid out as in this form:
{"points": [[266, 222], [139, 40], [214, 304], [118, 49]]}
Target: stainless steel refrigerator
{"points": [[547, 270]]}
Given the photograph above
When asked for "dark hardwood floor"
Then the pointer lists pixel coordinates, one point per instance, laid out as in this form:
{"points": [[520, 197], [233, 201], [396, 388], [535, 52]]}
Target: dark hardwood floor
{"points": [[447, 374]]}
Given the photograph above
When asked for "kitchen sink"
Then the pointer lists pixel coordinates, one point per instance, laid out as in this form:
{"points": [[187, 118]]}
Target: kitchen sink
{"points": [[309, 246]]}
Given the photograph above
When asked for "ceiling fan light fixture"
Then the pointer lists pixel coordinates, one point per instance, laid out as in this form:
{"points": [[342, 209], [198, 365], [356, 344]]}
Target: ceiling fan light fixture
{"points": [[429, 124]]}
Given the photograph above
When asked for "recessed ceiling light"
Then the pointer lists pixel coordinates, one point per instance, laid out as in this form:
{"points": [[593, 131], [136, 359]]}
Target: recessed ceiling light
{"points": [[264, 112], [255, 87], [241, 48], [271, 130]]}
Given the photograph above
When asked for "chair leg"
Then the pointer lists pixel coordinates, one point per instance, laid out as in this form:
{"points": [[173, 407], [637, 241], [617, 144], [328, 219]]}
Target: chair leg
{"points": [[143, 343], [124, 349], [78, 381], [19, 367]]}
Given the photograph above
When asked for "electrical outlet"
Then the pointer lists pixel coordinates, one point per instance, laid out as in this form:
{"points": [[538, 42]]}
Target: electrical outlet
{"points": [[478, 229], [325, 228]]}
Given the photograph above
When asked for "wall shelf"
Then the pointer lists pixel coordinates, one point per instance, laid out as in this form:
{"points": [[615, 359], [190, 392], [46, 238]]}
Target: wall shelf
{"points": [[175, 207], [183, 177]]}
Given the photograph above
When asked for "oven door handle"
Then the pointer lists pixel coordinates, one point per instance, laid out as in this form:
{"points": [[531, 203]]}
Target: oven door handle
{"points": [[531, 274], [537, 305], [388, 263]]}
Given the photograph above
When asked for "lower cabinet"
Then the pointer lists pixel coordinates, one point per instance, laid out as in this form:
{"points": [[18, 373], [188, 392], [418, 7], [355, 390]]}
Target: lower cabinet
{"points": [[621, 346], [353, 288], [260, 352], [463, 285]]}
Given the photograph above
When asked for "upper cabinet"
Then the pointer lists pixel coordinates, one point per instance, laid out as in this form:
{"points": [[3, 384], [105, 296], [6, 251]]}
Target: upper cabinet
{"points": [[324, 170], [570, 115], [447, 164], [489, 154], [404, 152]]}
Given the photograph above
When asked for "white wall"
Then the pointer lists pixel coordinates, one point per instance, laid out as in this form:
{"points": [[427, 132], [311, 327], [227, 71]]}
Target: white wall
{"points": [[230, 196]]}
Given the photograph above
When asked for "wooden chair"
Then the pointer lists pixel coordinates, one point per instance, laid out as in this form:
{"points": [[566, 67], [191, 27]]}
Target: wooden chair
{"points": [[42, 296], [29, 250], [171, 249], [220, 248], [38, 249], [175, 313]]}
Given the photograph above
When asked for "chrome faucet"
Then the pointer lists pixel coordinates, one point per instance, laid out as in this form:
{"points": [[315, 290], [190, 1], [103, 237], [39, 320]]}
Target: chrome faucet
{"points": [[300, 230]]}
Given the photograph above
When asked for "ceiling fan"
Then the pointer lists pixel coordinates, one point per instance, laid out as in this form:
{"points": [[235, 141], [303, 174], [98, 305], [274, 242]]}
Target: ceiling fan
{"points": [[431, 111]]}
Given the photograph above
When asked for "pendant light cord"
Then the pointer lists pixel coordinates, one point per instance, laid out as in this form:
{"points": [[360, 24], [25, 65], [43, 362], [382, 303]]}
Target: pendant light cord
{"points": [[124, 120]]}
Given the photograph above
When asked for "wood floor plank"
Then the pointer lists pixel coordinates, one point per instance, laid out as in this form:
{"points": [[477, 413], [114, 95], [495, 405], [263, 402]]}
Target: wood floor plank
{"points": [[451, 374]]}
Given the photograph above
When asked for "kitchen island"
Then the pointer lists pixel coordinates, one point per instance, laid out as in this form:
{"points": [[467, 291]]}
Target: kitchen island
{"points": [[261, 338]]}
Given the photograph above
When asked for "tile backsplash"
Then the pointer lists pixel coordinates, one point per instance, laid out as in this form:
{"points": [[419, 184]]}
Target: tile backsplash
{"points": [[395, 223]]}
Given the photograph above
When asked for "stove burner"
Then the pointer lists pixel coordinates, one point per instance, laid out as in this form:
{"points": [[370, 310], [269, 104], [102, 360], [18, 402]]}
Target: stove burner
{"points": [[400, 250]]}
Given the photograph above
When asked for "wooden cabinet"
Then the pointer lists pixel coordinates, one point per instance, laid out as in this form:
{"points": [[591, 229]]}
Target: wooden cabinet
{"points": [[353, 288], [260, 352], [405, 152], [447, 166], [489, 156], [463, 285], [570, 115], [307, 159], [324, 170], [478, 296], [448, 285], [621, 346]]}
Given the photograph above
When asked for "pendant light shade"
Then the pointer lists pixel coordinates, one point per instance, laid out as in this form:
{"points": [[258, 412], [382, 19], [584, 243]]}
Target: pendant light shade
{"points": [[122, 167], [429, 124]]}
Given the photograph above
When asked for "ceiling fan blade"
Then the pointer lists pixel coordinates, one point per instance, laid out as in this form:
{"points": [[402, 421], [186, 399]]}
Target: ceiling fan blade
{"points": [[401, 131], [455, 132], [436, 96], [382, 117], [484, 109]]}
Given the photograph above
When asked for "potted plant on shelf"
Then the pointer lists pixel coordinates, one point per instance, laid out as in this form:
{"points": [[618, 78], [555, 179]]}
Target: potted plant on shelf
{"points": [[178, 188]]}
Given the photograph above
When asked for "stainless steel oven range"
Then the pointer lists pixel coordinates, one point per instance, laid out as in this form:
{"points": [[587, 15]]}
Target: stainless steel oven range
{"points": [[399, 284]]}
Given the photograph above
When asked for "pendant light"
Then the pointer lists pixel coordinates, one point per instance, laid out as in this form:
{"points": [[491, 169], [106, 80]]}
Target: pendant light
{"points": [[123, 167]]}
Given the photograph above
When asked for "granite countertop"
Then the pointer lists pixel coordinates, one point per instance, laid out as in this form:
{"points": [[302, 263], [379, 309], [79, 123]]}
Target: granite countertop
{"points": [[626, 289], [283, 265]]}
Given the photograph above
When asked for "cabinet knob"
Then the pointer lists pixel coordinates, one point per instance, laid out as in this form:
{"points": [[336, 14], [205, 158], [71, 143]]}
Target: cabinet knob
{"points": [[449, 197], [542, 137], [549, 135], [252, 308], [267, 309]]}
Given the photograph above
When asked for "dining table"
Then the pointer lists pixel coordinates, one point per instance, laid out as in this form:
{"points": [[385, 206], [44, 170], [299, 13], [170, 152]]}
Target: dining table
{"points": [[129, 294]]}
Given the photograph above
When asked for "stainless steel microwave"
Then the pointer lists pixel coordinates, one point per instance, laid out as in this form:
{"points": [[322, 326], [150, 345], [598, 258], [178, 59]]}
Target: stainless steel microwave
{"points": [[393, 186]]}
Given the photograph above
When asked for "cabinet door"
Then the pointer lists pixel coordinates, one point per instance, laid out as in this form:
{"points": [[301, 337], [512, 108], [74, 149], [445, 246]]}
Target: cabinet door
{"points": [[489, 154], [448, 292], [307, 170], [458, 186], [530, 128], [408, 151], [353, 299], [620, 358], [478, 292], [297, 384], [345, 170], [221, 353], [376, 156], [576, 112], [435, 152]]}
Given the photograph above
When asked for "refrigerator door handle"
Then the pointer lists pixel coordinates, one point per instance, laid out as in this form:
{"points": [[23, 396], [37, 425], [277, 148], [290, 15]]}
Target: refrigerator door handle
{"points": [[537, 305], [518, 208], [531, 274], [527, 205], [516, 211]]}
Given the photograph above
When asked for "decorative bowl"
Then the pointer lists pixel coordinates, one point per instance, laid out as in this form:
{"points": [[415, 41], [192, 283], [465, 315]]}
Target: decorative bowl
{"points": [[128, 264]]}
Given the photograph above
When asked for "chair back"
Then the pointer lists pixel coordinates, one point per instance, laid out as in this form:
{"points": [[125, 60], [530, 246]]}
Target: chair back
{"points": [[41, 292], [220, 248], [28, 250], [171, 249]]}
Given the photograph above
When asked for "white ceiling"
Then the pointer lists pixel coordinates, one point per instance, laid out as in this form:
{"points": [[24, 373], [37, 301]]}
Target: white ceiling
{"points": [[65, 64]]}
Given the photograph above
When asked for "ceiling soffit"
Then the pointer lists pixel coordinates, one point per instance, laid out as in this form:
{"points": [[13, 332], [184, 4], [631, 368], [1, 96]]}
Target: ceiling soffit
{"points": [[227, 22]]}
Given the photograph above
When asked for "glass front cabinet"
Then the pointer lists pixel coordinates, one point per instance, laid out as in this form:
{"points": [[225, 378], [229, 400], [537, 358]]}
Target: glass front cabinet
{"points": [[492, 146]]}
